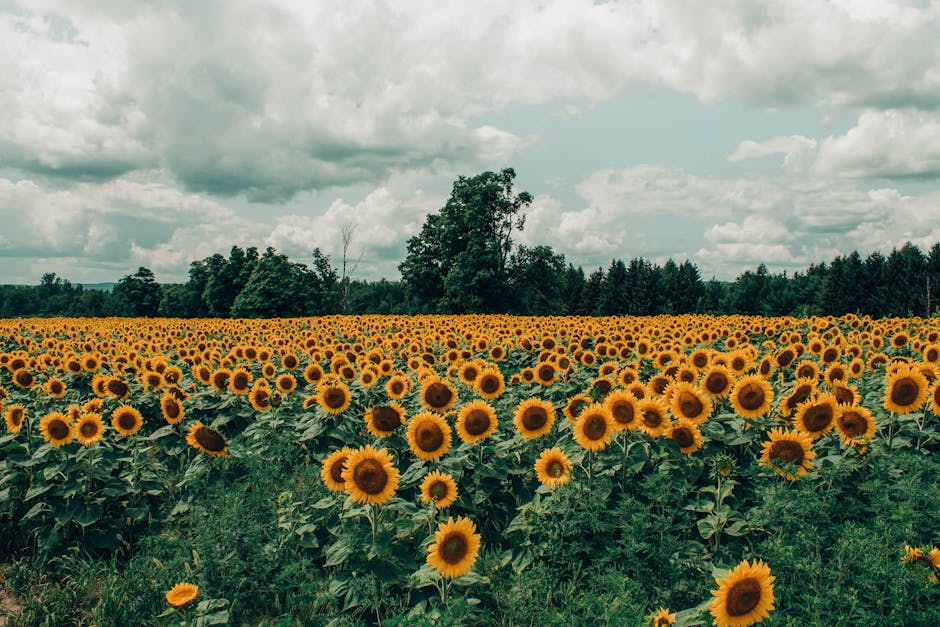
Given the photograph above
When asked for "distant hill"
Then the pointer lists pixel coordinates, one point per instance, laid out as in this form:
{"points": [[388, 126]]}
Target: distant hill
{"points": [[101, 287]]}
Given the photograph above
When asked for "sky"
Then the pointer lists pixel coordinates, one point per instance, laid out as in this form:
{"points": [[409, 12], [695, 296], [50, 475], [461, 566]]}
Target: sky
{"points": [[728, 132]]}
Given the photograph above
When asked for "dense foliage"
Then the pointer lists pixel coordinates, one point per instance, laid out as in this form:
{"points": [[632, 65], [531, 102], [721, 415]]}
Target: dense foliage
{"points": [[138, 455]]}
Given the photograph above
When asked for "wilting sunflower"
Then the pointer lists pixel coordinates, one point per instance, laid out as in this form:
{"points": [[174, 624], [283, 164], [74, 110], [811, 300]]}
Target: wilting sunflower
{"points": [[717, 381], [438, 395], [240, 381], [126, 420], [553, 468], [181, 594], [752, 396], [89, 428], [855, 424], [490, 383], [661, 618], [334, 397], [686, 434], [816, 416], [260, 395], [55, 428], [14, 416], [744, 597], [476, 421], [906, 391], [789, 453], [171, 408], [54, 387], [332, 470], [370, 476], [428, 436], [206, 440], [534, 417], [382, 421], [690, 403], [654, 416], [622, 407], [439, 488], [455, 547], [594, 428]]}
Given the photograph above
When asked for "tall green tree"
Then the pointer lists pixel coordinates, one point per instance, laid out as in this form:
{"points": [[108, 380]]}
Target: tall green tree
{"points": [[537, 280], [138, 294]]}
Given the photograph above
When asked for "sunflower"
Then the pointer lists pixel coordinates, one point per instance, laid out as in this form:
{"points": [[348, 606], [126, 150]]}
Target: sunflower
{"points": [[744, 597], [622, 407], [476, 421], [717, 381], [313, 373], [654, 416], [332, 470], [662, 618], [845, 394], [397, 386], [370, 476], [788, 451], [803, 389], [14, 417], [935, 398], [438, 395], [468, 373], [181, 594], [439, 488], [89, 428], [260, 395], [690, 403], [594, 428], [455, 547], [382, 421], [574, 406], [220, 378], [55, 429], [816, 417], [752, 396], [807, 369], [171, 408], [428, 436], [334, 397], [126, 420], [240, 381], [54, 387], [855, 424], [206, 440], [905, 392], [686, 434], [23, 378], [286, 383], [553, 468], [534, 417], [545, 373], [490, 383]]}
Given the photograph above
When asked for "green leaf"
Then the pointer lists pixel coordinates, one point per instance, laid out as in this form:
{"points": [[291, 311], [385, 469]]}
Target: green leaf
{"points": [[161, 432], [337, 553], [36, 490]]}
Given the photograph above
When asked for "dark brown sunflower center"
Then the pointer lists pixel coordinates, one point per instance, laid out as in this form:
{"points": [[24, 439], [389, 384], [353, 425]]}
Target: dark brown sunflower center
{"points": [[385, 418], [844, 395], [716, 382], [799, 395], [837, 374], [817, 417], [546, 372], [603, 386], [743, 597], [397, 387], [24, 379], [699, 360], [623, 412], [370, 476], [751, 396], [470, 374], [829, 355], [576, 406], [478, 421], [210, 440], [438, 490], [172, 409], [784, 358], [595, 427], [454, 548], [347, 372], [787, 451], [683, 437], [555, 468], [56, 387], [220, 379], [534, 418], [852, 423], [764, 368], [16, 416], [334, 398], [126, 420], [336, 469], [438, 395], [904, 391], [652, 418], [429, 437], [240, 381], [690, 405], [489, 384], [88, 428], [289, 362], [58, 429]]}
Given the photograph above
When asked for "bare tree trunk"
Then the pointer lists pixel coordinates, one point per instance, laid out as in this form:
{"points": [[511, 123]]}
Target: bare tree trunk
{"points": [[348, 232]]}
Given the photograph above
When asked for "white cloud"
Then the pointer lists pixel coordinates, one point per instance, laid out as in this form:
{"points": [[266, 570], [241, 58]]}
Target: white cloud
{"points": [[798, 151]]}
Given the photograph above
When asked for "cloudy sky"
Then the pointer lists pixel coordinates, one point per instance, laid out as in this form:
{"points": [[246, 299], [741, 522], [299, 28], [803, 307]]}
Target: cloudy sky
{"points": [[729, 132]]}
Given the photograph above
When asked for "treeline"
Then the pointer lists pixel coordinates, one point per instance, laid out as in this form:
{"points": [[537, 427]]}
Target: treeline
{"points": [[464, 261]]}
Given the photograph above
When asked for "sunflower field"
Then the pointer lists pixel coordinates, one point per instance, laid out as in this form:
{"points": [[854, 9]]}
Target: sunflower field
{"points": [[470, 470]]}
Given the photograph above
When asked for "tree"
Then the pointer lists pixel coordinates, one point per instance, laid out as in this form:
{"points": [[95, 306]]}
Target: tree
{"points": [[613, 297], [226, 278], [279, 288], [538, 281], [459, 261], [138, 294]]}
